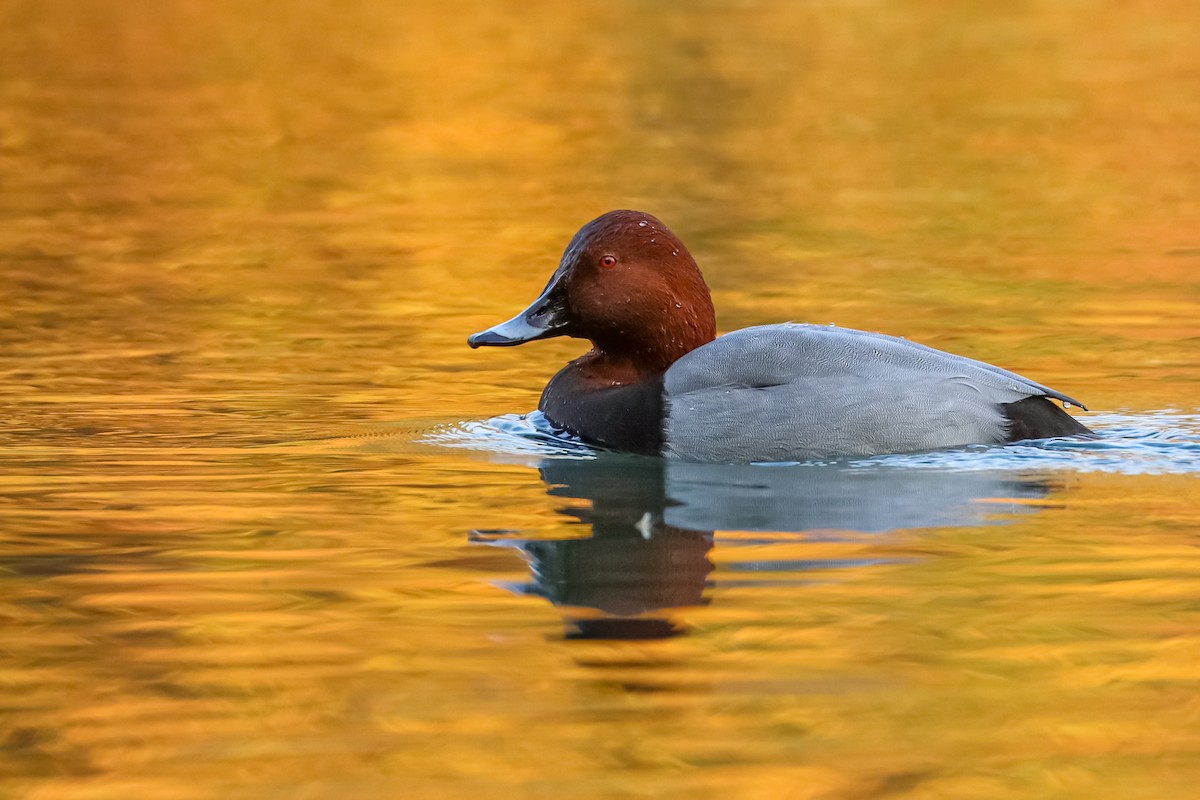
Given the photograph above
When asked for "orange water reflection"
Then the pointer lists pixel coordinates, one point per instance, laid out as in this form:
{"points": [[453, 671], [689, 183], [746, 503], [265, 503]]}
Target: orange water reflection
{"points": [[241, 246]]}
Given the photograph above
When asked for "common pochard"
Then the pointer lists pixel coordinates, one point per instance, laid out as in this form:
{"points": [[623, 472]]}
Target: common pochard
{"points": [[658, 379]]}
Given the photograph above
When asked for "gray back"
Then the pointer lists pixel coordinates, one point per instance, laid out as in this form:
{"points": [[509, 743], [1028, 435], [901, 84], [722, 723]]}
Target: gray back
{"points": [[791, 391]]}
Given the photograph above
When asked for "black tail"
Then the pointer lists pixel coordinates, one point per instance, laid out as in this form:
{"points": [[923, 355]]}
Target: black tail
{"points": [[1038, 418]]}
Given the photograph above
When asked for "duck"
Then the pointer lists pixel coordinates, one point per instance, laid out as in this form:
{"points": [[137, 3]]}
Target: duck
{"points": [[660, 381]]}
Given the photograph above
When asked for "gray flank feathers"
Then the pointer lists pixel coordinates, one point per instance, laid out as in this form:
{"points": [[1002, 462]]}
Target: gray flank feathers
{"points": [[795, 391]]}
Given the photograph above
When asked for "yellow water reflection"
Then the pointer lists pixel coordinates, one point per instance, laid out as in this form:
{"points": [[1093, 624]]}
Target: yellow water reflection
{"points": [[241, 245]]}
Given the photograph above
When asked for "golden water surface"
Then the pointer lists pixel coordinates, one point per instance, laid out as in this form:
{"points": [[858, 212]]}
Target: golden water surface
{"points": [[266, 533]]}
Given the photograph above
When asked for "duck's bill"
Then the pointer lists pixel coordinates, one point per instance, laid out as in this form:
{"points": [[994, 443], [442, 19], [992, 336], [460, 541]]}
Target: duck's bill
{"points": [[544, 318], [516, 331]]}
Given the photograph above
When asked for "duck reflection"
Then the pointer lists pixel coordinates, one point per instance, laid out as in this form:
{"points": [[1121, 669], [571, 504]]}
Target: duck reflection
{"points": [[652, 526], [618, 582]]}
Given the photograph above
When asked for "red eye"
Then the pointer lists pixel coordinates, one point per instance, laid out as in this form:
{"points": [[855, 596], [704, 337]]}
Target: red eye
{"points": [[608, 262]]}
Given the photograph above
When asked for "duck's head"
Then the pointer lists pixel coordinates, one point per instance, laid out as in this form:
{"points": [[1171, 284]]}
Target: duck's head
{"points": [[626, 284]]}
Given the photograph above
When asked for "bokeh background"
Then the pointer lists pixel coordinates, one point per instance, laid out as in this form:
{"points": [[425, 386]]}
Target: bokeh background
{"points": [[242, 244]]}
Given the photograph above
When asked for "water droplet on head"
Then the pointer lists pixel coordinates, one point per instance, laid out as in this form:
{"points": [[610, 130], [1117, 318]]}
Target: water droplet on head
{"points": [[642, 224], [677, 305], [674, 252]]}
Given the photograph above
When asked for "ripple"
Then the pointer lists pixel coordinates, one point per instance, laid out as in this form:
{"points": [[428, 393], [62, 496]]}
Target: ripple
{"points": [[1143, 443], [1139, 443], [520, 435]]}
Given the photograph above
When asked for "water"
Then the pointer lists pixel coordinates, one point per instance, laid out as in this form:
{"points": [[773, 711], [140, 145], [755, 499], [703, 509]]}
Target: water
{"points": [[270, 529], [1160, 442]]}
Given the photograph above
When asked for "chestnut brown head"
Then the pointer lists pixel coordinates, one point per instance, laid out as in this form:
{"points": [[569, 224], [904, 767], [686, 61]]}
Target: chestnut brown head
{"points": [[626, 284]]}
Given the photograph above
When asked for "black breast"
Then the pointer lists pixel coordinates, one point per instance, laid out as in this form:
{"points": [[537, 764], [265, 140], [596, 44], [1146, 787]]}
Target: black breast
{"points": [[626, 417]]}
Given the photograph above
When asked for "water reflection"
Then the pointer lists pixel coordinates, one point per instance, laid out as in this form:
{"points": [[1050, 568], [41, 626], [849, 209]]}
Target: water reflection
{"points": [[842, 497], [653, 524], [634, 566]]}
